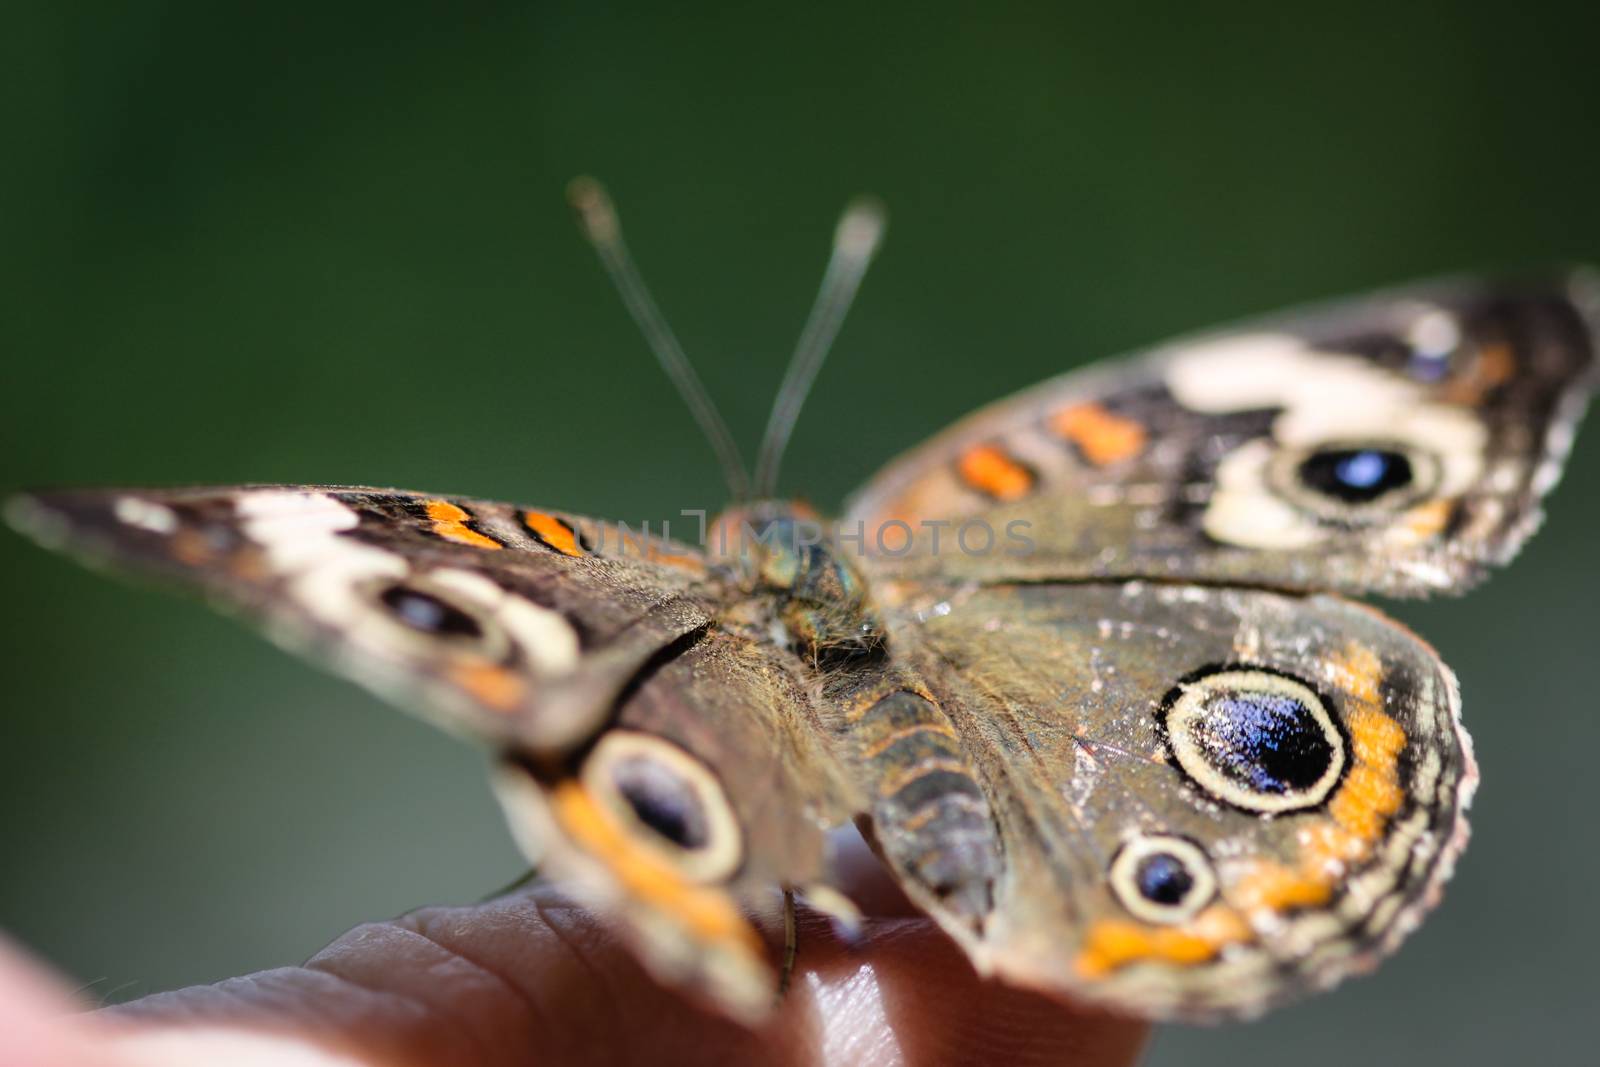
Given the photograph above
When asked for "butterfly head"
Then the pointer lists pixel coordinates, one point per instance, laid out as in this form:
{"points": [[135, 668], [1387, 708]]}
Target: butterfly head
{"points": [[821, 600]]}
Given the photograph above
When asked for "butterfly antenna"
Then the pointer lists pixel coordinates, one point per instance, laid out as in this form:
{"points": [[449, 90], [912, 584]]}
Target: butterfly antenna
{"points": [[598, 218], [855, 241]]}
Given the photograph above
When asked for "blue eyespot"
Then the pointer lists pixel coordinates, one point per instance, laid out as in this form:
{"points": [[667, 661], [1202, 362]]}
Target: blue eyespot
{"points": [[1255, 738], [428, 614], [1268, 742], [1362, 470], [1356, 475], [1163, 878]]}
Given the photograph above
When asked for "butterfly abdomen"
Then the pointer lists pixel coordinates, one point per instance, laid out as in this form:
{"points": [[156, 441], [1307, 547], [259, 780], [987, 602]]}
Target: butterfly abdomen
{"points": [[930, 817]]}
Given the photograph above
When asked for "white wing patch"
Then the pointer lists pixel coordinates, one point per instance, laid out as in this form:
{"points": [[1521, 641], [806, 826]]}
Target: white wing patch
{"points": [[300, 534], [333, 578], [146, 515], [1326, 398], [548, 639]]}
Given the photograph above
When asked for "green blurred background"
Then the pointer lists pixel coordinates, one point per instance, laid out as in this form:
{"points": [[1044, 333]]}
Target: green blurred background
{"points": [[330, 245]]}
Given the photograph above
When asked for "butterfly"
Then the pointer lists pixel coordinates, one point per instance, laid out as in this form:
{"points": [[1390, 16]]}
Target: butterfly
{"points": [[1086, 668]]}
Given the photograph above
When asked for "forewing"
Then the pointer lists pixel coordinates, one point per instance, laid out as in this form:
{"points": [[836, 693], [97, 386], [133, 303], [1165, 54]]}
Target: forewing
{"points": [[1208, 800], [658, 755], [1398, 443], [509, 624]]}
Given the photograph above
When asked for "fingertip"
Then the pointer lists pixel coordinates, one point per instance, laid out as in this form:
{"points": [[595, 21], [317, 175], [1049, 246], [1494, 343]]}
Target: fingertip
{"points": [[187, 1046], [906, 993], [903, 971]]}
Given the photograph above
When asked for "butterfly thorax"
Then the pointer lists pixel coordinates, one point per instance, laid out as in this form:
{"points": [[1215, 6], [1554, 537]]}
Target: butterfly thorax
{"points": [[780, 549]]}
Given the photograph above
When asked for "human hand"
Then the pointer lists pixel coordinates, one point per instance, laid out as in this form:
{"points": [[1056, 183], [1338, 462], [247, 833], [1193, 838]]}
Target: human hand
{"points": [[531, 978]]}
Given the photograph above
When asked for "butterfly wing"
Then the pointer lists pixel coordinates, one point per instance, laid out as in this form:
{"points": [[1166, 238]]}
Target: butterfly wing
{"points": [[1398, 443], [505, 623], [1207, 800], [1202, 797], [655, 754], [712, 782]]}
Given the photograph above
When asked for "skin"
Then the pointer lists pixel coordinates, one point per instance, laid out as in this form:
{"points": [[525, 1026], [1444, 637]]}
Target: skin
{"points": [[532, 979]]}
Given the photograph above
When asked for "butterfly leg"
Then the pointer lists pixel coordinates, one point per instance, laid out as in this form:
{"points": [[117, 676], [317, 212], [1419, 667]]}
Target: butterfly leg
{"points": [[521, 881], [791, 945]]}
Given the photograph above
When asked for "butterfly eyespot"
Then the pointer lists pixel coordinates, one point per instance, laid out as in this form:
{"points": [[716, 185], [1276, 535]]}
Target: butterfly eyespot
{"points": [[1162, 878], [450, 614], [426, 613], [1355, 475], [429, 615], [662, 801], [1356, 481], [671, 799], [1255, 739]]}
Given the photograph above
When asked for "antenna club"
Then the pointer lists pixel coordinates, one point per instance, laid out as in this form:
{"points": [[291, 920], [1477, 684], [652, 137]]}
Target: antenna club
{"points": [[595, 212], [861, 227]]}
